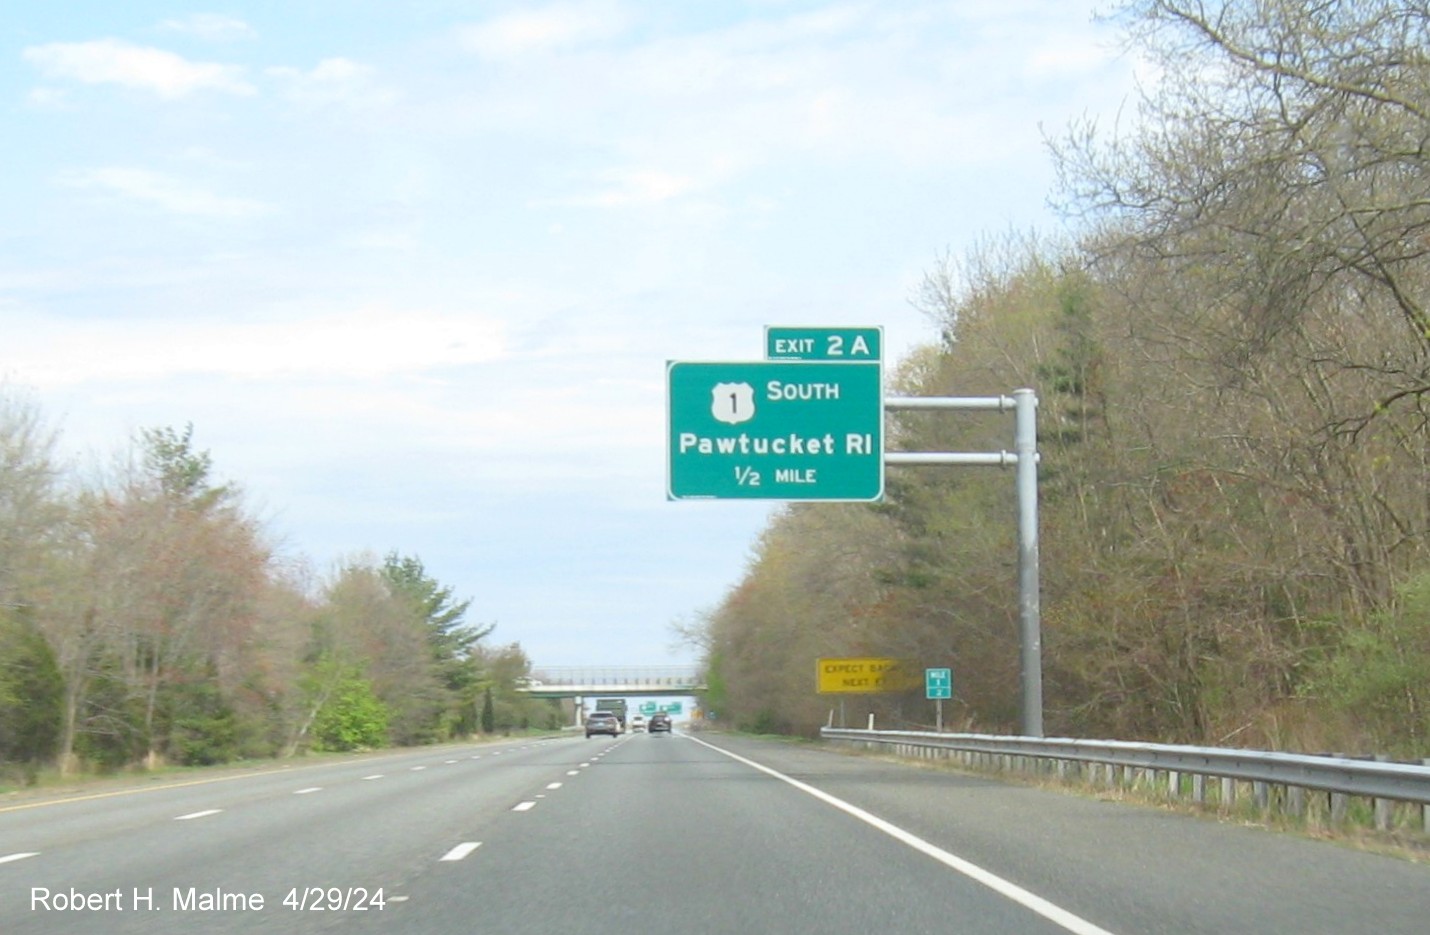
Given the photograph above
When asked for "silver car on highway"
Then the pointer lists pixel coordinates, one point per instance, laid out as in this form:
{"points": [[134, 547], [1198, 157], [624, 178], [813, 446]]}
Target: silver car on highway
{"points": [[603, 722]]}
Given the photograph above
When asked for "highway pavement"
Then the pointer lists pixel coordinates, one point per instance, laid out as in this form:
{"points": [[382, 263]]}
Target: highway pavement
{"points": [[696, 834]]}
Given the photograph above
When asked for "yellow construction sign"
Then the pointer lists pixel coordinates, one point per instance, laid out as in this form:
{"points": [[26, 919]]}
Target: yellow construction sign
{"points": [[859, 676]]}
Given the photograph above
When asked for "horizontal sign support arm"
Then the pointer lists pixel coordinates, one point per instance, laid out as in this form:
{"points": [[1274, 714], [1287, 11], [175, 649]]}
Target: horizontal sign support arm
{"points": [[999, 403], [988, 458]]}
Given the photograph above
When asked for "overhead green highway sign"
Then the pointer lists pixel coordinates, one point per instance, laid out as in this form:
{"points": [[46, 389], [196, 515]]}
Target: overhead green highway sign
{"points": [[774, 430]]}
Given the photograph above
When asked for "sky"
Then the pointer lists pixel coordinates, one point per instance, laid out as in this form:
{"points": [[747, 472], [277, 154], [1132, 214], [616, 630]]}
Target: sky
{"points": [[413, 270]]}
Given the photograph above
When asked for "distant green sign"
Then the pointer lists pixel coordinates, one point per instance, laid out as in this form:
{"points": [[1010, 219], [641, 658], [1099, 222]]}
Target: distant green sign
{"points": [[673, 707], [837, 345], [938, 683], [775, 430]]}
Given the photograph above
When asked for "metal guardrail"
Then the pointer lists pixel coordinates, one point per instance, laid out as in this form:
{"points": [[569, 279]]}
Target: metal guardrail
{"points": [[1339, 776]]}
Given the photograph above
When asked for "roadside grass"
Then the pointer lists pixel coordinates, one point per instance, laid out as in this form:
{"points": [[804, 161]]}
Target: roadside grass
{"points": [[47, 781]]}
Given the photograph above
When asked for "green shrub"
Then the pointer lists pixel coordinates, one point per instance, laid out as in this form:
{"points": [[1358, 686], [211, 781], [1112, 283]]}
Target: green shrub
{"points": [[353, 717]]}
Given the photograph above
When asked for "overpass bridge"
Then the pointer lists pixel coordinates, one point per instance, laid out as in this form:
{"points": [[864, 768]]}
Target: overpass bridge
{"points": [[579, 681]]}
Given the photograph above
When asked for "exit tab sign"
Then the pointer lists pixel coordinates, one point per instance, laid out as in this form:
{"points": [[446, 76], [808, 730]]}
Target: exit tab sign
{"points": [[851, 345]]}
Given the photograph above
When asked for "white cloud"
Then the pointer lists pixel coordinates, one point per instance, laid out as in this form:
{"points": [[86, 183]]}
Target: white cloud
{"points": [[208, 157], [114, 61], [386, 240], [620, 188], [364, 343], [47, 99], [556, 27], [332, 82], [715, 110], [214, 27], [164, 192]]}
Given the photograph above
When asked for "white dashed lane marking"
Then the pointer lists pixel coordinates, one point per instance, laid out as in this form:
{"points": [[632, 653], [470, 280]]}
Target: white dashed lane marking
{"points": [[203, 814], [461, 850], [11, 857], [308, 790], [524, 806]]}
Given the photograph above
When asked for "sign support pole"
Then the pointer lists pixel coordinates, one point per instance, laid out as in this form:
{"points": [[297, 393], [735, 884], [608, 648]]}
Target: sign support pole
{"points": [[1024, 457], [1029, 604]]}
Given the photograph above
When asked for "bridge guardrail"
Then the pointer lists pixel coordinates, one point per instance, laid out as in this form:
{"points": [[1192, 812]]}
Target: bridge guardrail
{"points": [[616, 678], [1115, 762]]}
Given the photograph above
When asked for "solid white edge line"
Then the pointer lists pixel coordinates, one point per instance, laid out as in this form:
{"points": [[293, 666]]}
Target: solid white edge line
{"points": [[461, 850], [1009, 890], [203, 814], [21, 856]]}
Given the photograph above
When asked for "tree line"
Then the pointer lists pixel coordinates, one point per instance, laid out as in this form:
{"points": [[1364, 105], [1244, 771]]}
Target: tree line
{"points": [[146, 618], [1231, 348]]}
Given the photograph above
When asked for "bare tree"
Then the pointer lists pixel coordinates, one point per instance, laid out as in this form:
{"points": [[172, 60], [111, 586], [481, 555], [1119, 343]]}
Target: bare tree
{"points": [[1280, 162], [31, 511]]}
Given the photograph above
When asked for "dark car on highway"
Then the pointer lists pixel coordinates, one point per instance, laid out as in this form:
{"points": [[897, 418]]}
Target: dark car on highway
{"points": [[660, 721], [603, 722]]}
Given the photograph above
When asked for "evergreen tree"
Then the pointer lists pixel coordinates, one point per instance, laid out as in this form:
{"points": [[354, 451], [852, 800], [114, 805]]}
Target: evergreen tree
{"points": [[489, 717], [31, 693]]}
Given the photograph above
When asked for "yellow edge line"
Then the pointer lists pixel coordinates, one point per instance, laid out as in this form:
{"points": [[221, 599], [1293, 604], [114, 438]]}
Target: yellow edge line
{"points": [[109, 795]]}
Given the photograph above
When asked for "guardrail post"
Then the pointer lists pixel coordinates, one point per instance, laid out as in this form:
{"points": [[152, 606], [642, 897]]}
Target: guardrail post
{"points": [[1382, 806], [1296, 801], [1425, 809], [1199, 788]]}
